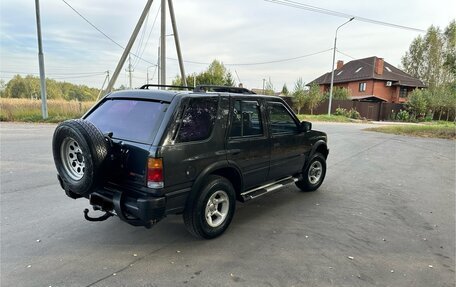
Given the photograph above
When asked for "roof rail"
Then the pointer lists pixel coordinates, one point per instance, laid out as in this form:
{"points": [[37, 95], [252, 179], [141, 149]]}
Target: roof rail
{"points": [[222, 89], [204, 88], [146, 87]]}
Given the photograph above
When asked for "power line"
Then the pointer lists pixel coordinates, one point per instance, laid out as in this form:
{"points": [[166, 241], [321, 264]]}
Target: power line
{"points": [[316, 9], [103, 33], [75, 77], [141, 38], [260, 63], [59, 74], [279, 61], [150, 33], [188, 61]]}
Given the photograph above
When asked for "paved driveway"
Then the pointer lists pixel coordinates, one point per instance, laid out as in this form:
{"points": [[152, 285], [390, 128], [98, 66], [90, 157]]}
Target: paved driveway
{"points": [[385, 216]]}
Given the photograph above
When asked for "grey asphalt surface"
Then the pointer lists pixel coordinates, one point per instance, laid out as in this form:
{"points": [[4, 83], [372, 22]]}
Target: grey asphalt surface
{"points": [[385, 216]]}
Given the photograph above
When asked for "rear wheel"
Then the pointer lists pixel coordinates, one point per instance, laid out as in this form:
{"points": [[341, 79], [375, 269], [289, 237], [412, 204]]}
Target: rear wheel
{"points": [[208, 214], [314, 174], [79, 150]]}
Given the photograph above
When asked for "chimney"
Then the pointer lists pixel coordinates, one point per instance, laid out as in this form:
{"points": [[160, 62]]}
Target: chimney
{"points": [[379, 63], [340, 64]]}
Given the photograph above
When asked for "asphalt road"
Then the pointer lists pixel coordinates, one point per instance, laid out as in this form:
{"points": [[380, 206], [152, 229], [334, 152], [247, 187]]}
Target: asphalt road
{"points": [[385, 216]]}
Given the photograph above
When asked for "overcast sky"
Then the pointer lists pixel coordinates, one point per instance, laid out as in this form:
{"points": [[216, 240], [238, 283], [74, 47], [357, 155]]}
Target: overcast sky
{"points": [[232, 31]]}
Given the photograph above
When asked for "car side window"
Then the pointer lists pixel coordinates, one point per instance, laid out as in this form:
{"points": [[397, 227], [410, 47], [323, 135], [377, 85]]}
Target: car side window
{"points": [[281, 119], [246, 119], [197, 120]]}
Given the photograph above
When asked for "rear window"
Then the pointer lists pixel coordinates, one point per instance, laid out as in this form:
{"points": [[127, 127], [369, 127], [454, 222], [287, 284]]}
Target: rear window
{"points": [[133, 120]]}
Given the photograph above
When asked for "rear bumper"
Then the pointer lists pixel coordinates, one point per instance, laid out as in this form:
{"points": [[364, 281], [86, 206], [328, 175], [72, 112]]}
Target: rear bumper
{"points": [[137, 211], [136, 207]]}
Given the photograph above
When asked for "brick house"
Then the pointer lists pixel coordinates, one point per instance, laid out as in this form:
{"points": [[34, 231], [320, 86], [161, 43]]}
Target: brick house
{"points": [[371, 79]]}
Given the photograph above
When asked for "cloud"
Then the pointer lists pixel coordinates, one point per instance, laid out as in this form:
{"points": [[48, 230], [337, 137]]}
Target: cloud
{"points": [[233, 31]]}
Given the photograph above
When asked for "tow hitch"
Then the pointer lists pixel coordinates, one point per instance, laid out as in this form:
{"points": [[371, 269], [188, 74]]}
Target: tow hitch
{"points": [[101, 218]]}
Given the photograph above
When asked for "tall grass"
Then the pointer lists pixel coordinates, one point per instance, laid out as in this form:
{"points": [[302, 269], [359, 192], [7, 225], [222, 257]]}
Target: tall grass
{"points": [[25, 110], [324, 118], [443, 131]]}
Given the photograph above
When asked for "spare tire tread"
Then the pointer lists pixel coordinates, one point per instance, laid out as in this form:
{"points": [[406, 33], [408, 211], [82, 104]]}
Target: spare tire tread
{"points": [[96, 151]]}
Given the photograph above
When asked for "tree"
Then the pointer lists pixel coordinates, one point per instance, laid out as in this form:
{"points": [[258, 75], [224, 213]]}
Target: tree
{"points": [[285, 90], [29, 87], [314, 97], [2, 88], [269, 88], [299, 94], [431, 58], [229, 81], [450, 51], [340, 93], [418, 103], [215, 74]]}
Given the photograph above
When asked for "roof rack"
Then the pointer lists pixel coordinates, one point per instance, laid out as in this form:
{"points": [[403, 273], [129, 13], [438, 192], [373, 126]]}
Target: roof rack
{"points": [[146, 87], [204, 88], [222, 89]]}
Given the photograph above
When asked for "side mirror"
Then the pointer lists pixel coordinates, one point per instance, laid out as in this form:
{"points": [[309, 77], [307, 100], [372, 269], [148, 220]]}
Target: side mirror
{"points": [[306, 126]]}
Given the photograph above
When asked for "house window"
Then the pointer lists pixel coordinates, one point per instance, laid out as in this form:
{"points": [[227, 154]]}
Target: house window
{"points": [[362, 87], [359, 69], [403, 92]]}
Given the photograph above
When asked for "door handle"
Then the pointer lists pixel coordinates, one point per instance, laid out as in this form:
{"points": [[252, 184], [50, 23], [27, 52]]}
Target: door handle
{"points": [[234, 151]]}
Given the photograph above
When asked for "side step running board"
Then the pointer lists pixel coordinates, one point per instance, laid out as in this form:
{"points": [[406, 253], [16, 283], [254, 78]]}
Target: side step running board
{"points": [[264, 189]]}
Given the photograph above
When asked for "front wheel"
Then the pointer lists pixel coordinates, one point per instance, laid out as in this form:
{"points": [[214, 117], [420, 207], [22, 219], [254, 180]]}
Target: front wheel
{"points": [[208, 214], [314, 174]]}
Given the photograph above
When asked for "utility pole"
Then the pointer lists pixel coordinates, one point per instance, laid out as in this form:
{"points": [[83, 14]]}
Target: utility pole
{"points": [[102, 86], [126, 52], [129, 70], [163, 43], [176, 40], [44, 110], [158, 65]]}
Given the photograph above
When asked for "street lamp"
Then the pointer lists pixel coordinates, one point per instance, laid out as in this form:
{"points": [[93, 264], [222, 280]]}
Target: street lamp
{"points": [[332, 67]]}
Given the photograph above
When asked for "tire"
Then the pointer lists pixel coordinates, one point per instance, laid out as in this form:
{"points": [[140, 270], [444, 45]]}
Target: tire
{"points": [[216, 188], [314, 173], [79, 150]]}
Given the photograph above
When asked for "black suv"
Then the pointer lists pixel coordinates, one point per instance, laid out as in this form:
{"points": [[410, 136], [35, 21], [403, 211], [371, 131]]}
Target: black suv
{"points": [[143, 154]]}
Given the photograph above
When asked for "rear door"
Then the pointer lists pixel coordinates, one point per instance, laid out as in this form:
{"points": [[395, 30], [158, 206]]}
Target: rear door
{"points": [[288, 143], [133, 124], [248, 144]]}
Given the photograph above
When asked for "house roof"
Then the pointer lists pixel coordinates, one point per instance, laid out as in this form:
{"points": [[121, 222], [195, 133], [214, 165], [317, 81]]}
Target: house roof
{"points": [[364, 69]]}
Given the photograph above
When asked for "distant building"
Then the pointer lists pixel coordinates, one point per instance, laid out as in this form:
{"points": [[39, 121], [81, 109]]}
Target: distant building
{"points": [[371, 79]]}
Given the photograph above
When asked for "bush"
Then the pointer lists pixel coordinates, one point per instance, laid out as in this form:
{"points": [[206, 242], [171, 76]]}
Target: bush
{"points": [[403, 116], [341, 112], [352, 113]]}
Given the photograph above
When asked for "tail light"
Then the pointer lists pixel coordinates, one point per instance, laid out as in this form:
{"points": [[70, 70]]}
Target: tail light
{"points": [[155, 173]]}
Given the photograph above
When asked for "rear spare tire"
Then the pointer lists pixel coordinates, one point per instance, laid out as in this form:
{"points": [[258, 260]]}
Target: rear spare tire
{"points": [[79, 150]]}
